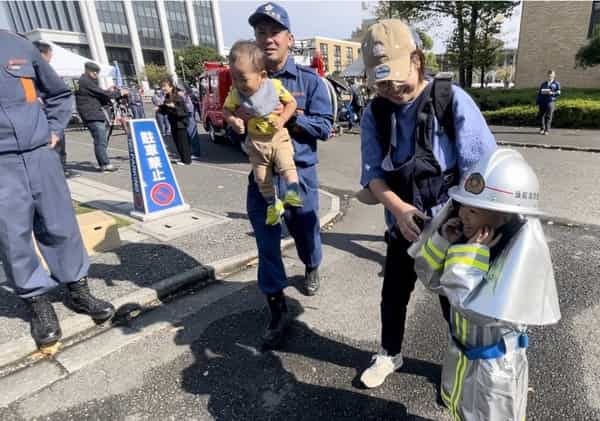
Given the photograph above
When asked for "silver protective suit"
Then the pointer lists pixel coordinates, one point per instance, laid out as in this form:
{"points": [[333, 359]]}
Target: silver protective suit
{"points": [[492, 304]]}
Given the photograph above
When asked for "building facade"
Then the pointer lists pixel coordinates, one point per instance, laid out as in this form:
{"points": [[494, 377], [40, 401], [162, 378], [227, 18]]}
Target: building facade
{"points": [[337, 53], [551, 34], [132, 33]]}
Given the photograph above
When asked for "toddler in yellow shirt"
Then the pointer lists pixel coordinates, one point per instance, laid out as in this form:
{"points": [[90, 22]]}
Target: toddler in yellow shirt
{"points": [[268, 143]]}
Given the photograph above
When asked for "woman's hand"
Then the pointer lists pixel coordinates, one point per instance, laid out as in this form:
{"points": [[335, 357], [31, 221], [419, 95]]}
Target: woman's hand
{"points": [[452, 230], [405, 220], [485, 236]]}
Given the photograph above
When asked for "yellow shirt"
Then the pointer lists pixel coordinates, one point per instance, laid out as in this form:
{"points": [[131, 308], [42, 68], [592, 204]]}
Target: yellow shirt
{"points": [[260, 126]]}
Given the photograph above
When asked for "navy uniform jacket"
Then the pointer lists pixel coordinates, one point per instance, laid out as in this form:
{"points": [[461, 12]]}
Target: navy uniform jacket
{"points": [[24, 76], [554, 87], [310, 93]]}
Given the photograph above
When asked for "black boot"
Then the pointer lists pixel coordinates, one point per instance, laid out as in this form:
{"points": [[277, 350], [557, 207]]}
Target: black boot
{"points": [[279, 320], [311, 281], [82, 301], [44, 323]]}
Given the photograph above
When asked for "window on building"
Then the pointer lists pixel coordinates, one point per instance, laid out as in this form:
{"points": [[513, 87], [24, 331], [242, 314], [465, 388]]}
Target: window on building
{"points": [[595, 19], [113, 22], [82, 50], [178, 24], [148, 24], [349, 55], [124, 58], [154, 57], [337, 58], [205, 24], [325, 53], [25, 16]]}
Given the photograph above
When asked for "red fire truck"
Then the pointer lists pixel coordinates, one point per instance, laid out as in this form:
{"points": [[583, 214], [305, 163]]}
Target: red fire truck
{"points": [[216, 82]]}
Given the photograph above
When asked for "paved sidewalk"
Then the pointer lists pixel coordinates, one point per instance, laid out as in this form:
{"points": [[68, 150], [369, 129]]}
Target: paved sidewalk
{"points": [[566, 139], [146, 268]]}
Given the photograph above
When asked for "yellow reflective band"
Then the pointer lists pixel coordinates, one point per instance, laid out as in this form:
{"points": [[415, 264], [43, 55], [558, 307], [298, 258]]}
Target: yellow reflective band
{"points": [[469, 261], [458, 361], [434, 265], [469, 249], [445, 397], [435, 250], [461, 376], [464, 331]]}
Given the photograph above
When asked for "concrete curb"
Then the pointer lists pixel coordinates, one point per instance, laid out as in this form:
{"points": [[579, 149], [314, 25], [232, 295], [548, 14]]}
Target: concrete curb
{"points": [[17, 351], [549, 146]]}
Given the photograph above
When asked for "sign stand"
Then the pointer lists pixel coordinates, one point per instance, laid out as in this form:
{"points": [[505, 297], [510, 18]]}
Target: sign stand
{"points": [[155, 189]]}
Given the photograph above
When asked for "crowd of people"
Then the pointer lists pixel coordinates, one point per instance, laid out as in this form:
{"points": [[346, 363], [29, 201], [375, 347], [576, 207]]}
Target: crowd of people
{"points": [[460, 213]]}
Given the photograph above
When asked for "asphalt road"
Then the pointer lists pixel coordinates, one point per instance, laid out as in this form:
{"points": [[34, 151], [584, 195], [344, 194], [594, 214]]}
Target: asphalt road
{"points": [[209, 366]]}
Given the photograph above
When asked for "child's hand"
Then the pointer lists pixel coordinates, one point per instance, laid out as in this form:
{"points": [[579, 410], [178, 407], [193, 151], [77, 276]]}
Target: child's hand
{"points": [[276, 122], [452, 230], [485, 236], [237, 124]]}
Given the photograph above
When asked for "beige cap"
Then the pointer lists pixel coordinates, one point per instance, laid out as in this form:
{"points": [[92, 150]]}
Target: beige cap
{"points": [[386, 51]]}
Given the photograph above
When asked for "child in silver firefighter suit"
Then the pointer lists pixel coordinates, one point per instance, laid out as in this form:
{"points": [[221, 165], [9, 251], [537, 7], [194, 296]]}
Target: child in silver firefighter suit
{"points": [[269, 145], [491, 260]]}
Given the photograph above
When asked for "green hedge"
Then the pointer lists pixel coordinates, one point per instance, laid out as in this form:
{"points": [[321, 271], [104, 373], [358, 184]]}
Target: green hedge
{"points": [[495, 99], [569, 113]]}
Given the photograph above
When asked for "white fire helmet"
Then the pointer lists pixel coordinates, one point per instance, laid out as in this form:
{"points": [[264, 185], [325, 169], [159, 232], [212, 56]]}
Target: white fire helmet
{"points": [[502, 182]]}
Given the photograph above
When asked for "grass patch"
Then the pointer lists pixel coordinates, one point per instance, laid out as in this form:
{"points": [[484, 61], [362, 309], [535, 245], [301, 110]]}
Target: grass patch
{"points": [[80, 209]]}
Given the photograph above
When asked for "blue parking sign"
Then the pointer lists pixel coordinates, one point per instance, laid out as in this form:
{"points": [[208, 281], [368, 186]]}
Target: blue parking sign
{"points": [[154, 185]]}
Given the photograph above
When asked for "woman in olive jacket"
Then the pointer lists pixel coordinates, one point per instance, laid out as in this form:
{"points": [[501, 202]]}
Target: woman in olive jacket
{"points": [[175, 110]]}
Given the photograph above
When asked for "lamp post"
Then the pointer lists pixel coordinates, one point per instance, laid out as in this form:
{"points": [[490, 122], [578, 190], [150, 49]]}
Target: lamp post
{"points": [[182, 68]]}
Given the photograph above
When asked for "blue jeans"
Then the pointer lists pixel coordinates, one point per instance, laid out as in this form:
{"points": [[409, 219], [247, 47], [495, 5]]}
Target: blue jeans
{"points": [[302, 223], [98, 131], [163, 124], [192, 130]]}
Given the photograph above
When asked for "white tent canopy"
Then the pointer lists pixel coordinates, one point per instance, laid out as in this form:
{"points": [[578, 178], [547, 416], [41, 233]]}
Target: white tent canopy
{"points": [[356, 69], [68, 64]]}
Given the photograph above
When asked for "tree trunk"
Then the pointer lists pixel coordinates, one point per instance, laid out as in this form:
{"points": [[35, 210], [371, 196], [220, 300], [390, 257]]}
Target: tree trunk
{"points": [[482, 76], [460, 26], [472, 40]]}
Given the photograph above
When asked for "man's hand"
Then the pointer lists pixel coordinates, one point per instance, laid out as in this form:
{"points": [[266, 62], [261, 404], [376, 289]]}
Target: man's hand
{"points": [[54, 139], [405, 220], [485, 236], [452, 230], [237, 124]]}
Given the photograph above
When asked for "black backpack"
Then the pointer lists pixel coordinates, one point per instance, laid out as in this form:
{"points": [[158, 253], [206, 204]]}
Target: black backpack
{"points": [[420, 181]]}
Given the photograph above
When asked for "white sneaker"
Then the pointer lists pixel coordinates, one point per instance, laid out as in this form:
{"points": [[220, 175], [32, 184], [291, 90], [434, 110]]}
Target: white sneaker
{"points": [[382, 366]]}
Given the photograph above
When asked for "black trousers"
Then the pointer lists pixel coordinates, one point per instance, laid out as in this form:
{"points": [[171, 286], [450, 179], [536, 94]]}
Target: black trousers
{"points": [[398, 284], [182, 143]]}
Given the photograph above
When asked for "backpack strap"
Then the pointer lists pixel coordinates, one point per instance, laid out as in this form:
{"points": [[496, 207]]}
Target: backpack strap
{"points": [[442, 96]]}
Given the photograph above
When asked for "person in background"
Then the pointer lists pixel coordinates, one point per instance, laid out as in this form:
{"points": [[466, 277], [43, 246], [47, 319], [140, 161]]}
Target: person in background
{"points": [[163, 122], [136, 102], [90, 99], [192, 123], [546, 100], [175, 110]]}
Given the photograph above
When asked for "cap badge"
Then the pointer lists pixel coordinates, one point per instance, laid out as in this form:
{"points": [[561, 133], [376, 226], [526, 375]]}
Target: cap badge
{"points": [[268, 7], [378, 50], [382, 72], [475, 183]]}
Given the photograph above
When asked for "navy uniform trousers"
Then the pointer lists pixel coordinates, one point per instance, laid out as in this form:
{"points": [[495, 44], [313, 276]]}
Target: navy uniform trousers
{"points": [[34, 197], [303, 225]]}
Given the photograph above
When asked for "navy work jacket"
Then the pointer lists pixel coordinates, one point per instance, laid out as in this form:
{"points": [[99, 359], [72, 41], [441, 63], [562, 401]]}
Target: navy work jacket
{"points": [[315, 119], [26, 123]]}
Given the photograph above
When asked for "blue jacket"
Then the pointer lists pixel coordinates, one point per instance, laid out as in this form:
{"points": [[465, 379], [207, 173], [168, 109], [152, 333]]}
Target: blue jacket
{"points": [[312, 97], [554, 87], [472, 142], [24, 77]]}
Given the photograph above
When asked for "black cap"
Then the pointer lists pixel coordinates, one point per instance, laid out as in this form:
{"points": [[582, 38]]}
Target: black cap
{"points": [[90, 66]]}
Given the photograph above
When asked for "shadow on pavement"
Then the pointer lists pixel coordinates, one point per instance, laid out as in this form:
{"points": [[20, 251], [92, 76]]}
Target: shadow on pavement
{"points": [[349, 243], [310, 378]]}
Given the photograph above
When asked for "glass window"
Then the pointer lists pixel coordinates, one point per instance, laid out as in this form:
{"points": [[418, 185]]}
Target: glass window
{"points": [[148, 25], [178, 24], [113, 22], [349, 55], [594, 19]]}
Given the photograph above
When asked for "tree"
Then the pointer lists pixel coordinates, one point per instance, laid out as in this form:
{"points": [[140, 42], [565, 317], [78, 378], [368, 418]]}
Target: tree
{"points": [[155, 73], [425, 40], [194, 58], [466, 16], [431, 63], [589, 54]]}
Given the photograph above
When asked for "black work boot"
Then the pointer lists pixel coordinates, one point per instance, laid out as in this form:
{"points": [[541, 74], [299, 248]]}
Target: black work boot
{"points": [[82, 301], [275, 331], [44, 323], [311, 281]]}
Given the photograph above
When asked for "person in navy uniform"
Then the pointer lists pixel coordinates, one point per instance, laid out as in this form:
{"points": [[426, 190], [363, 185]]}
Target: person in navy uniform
{"points": [[546, 101], [35, 203], [311, 121]]}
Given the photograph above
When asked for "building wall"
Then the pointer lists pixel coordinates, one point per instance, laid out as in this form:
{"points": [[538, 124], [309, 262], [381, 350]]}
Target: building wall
{"points": [[551, 33], [337, 53]]}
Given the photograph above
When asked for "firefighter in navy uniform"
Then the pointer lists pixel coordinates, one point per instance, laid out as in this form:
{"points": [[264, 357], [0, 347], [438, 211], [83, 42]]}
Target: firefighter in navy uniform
{"points": [[34, 197], [312, 121]]}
